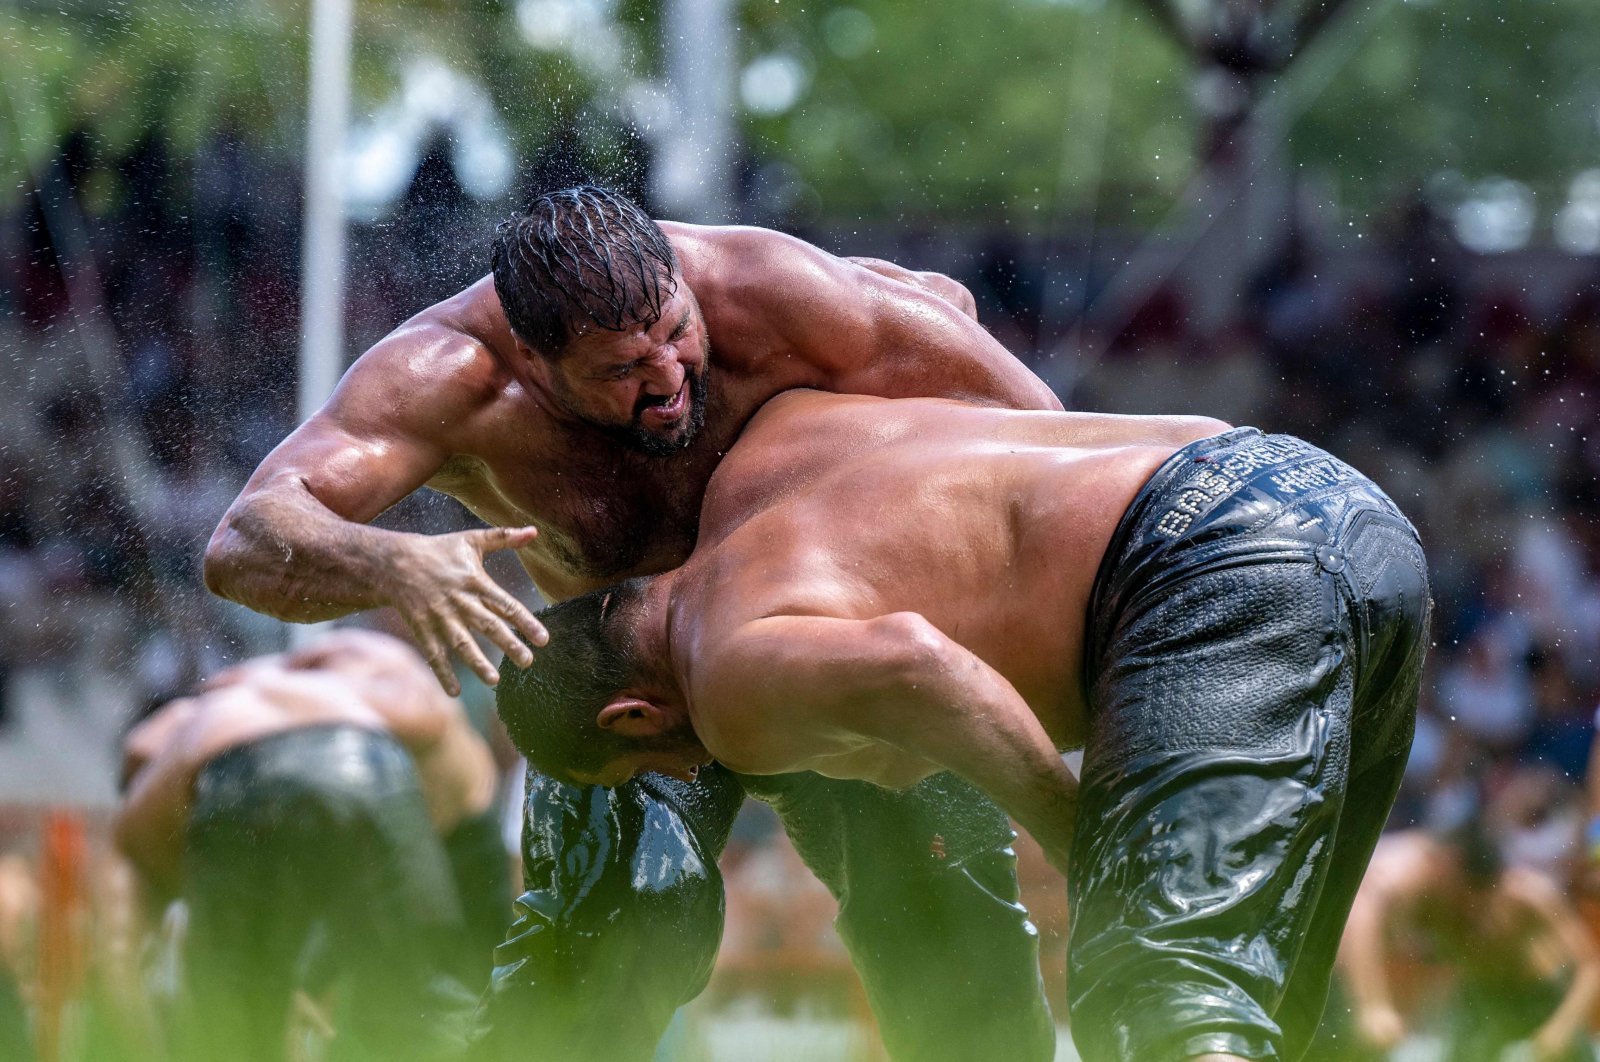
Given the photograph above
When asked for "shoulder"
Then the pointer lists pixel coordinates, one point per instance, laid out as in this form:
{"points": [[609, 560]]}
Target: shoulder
{"points": [[762, 270], [1533, 888], [1404, 862], [726, 251], [427, 376]]}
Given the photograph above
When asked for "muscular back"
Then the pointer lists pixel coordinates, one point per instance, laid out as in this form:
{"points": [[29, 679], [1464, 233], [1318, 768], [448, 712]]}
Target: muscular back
{"points": [[780, 314], [449, 400], [989, 523]]}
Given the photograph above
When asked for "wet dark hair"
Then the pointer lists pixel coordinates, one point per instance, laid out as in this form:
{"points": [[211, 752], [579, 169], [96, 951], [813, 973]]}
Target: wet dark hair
{"points": [[549, 707], [577, 258]]}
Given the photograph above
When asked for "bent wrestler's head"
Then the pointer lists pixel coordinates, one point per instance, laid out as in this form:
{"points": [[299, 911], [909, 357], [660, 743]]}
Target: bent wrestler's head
{"points": [[591, 285], [586, 710]]}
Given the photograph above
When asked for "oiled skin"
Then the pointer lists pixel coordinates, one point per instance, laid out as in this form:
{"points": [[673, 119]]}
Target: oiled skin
{"points": [[452, 401], [987, 525]]}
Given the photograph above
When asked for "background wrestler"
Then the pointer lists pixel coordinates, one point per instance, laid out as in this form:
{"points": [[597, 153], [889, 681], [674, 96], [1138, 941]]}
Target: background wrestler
{"points": [[327, 816], [1232, 631], [1526, 967], [590, 388]]}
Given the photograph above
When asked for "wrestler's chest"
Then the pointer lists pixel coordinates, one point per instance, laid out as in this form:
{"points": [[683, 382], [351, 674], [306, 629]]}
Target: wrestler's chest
{"points": [[596, 524]]}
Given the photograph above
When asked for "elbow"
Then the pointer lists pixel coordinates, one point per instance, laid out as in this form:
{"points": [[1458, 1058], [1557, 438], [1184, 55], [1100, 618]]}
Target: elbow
{"points": [[916, 648], [218, 567], [1589, 972]]}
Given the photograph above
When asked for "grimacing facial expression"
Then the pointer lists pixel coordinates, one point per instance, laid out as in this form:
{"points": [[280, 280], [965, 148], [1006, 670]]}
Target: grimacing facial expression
{"points": [[645, 386]]}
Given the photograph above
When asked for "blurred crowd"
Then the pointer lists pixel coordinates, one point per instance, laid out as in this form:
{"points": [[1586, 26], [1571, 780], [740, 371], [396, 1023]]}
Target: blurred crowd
{"points": [[149, 318]]}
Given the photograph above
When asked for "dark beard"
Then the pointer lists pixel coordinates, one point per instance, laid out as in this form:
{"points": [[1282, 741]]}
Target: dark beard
{"points": [[635, 437]]}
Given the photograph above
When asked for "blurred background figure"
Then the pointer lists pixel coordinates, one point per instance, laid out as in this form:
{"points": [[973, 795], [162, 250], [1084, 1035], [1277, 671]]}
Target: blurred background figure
{"points": [[19, 911], [1521, 971], [329, 819], [1376, 225]]}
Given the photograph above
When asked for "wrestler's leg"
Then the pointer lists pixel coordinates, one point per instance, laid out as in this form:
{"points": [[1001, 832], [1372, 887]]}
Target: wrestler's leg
{"points": [[482, 872], [1213, 782], [240, 969], [1385, 580], [927, 890], [620, 922], [392, 915]]}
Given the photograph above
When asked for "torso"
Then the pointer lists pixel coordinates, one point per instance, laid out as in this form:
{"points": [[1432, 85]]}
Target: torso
{"points": [[1493, 937], [604, 512], [273, 700], [990, 523]]}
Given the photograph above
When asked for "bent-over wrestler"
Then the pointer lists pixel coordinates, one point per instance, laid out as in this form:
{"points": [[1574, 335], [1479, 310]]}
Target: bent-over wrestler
{"points": [[1527, 968], [328, 818], [589, 387], [1230, 624]]}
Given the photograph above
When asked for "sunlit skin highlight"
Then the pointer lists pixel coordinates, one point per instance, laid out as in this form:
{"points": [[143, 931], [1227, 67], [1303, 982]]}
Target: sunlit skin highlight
{"points": [[590, 467]]}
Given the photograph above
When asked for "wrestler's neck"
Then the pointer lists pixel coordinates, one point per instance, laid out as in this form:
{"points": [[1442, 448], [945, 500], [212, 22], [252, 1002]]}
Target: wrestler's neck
{"points": [[651, 636]]}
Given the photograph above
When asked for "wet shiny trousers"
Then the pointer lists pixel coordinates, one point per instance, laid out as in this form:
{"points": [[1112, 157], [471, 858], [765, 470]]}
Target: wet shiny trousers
{"points": [[1257, 638], [623, 915], [311, 864]]}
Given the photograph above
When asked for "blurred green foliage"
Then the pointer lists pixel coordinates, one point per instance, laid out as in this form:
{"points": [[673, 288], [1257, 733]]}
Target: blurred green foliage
{"points": [[1474, 88], [1021, 110]]}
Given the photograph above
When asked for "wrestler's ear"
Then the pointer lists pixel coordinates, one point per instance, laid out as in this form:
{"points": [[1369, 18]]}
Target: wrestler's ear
{"points": [[632, 717]]}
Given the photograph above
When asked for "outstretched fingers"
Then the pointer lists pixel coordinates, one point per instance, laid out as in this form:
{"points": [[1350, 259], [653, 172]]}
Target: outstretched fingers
{"points": [[520, 617], [493, 539], [482, 617], [433, 651], [467, 648]]}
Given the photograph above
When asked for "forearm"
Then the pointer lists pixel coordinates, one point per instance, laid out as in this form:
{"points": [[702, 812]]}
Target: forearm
{"points": [[1582, 995], [281, 552], [952, 709], [1362, 959]]}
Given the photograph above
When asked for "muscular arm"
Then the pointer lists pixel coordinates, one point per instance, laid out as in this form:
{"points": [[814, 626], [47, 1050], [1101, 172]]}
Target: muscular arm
{"points": [[1543, 901], [1397, 877], [1363, 954], [787, 693], [149, 825], [295, 544], [869, 329]]}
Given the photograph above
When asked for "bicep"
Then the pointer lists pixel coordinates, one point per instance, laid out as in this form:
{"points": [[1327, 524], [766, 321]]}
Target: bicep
{"points": [[348, 464], [780, 691]]}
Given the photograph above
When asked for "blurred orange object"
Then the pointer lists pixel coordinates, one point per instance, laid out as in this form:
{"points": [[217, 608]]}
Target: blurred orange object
{"points": [[62, 955]]}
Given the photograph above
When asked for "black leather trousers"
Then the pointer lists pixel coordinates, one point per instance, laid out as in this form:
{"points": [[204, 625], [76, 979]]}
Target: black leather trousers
{"points": [[310, 863], [1258, 630], [623, 914]]}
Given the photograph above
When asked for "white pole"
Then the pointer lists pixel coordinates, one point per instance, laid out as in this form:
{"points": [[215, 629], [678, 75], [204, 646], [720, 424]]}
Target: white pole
{"points": [[322, 255], [694, 172], [322, 246]]}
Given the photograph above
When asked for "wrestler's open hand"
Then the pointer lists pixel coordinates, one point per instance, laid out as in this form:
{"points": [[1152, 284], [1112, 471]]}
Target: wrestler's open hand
{"points": [[1381, 1027], [438, 583], [1552, 1043]]}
